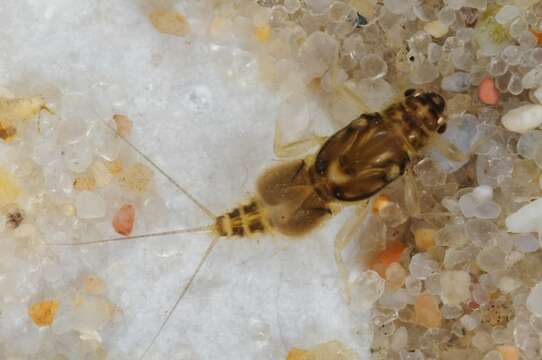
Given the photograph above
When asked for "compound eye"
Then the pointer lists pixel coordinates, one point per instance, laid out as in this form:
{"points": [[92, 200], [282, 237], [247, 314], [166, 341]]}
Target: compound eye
{"points": [[441, 129], [438, 101], [409, 92]]}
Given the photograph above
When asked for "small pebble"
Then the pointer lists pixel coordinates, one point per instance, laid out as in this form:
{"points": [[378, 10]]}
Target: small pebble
{"points": [[68, 210], [84, 183], [20, 109], [101, 174], [380, 202], [137, 178], [367, 288], [7, 131], [497, 314], [169, 22], [488, 93], [537, 94], [424, 238], [456, 82], [492, 355], [332, 350], [427, 312], [455, 287], [395, 276], [523, 118], [538, 36], [399, 339], [534, 300], [43, 313], [436, 29], [507, 13], [297, 354], [527, 219], [390, 255], [14, 217], [123, 220], [124, 125], [262, 33], [93, 285], [508, 352], [115, 167], [9, 188]]}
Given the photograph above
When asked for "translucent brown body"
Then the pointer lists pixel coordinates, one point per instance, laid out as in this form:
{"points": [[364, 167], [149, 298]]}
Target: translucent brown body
{"points": [[352, 165]]}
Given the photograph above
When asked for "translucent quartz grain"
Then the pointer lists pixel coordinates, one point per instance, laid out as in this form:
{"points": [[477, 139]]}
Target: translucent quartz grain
{"points": [[469, 322], [476, 4], [515, 86], [412, 355], [434, 52], [456, 4], [528, 143], [399, 339], [89, 205], [366, 290], [482, 341], [534, 300], [425, 10], [507, 13], [372, 66], [533, 78], [421, 267], [340, 11], [447, 15], [77, 156], [398, 6], [526, 243], [292, 6], [497, 66], [456, 82], [523, 118], [454, 287], [317, 54], [517, 27], [490, 259], [451, 312], [512, 54], [527, 40], [436, 29]]}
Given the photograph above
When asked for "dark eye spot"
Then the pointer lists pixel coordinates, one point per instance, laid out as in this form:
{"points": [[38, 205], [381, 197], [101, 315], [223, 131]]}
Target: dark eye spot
{"points": [[409, 92], [441, 128], [411, 58]]}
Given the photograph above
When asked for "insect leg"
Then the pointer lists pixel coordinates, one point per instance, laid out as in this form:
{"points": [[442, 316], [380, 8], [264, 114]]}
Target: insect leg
{"points": [[412, 201], [343, 89], [348, 93], [447, 148], [295, 148], [342, 239]]}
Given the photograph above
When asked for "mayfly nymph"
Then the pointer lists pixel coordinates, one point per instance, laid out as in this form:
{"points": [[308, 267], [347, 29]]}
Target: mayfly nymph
{"points": [[296, 196], [353, 164]]}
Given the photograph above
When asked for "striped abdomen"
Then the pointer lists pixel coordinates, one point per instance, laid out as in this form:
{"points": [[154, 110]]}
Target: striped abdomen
{"points": [[243, 221]]}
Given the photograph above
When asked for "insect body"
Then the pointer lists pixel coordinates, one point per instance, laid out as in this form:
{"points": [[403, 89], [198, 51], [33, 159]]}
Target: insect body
{"points": [[296, 196], [356, 162]]}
